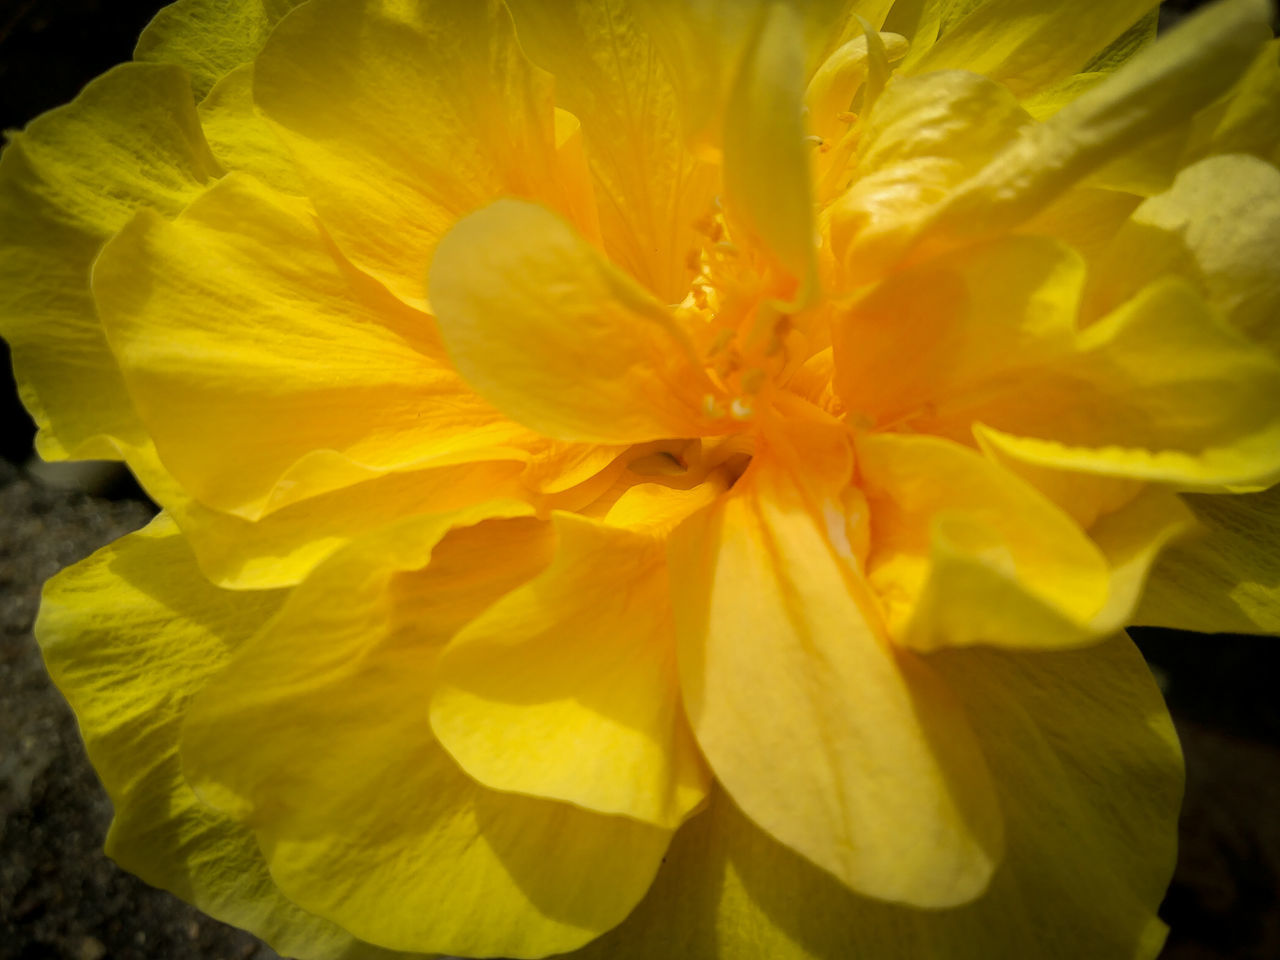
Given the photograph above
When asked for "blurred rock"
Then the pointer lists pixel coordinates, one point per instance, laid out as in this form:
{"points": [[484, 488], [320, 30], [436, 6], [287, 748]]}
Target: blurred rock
{"points": [[60, 897]]}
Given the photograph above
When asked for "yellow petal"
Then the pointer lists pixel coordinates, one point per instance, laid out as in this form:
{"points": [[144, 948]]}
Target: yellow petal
{"points": [[265, 368], [1152, 93], [1250, 120], [848, 752], [1218, 225], [1162, 85], [556, 337], [766, 158], [1090, 776], [927, 135], [567, 688], [130, 635], [981, 557], [1159, 390], [935, 338], [1132, 538], [362, 816], [340, 81], [68, 182], [241, 138], [1227, 579], [282, 547], [649, 186], [918, 22], [1028, 45], [210, 38]]}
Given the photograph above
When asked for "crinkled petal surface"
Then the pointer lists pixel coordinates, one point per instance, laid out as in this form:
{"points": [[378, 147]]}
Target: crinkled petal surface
{"points": [[1090, 778], [1219, 225], [67, 183], [266, 368], [130, 635], [241, 137], [210, 38], [362, 816], [1148, 96]]}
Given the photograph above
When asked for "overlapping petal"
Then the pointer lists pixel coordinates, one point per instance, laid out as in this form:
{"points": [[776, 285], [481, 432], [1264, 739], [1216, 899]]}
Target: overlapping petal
{"points": [[981, 558], [130, 635], [67, 183], [558, 338], [241, 137], [404, 117], [210, 38], [788, 678], [1028, 46], [1219, 226], [1160, 389], [1227, 579], [567, 688], [426, 859], [265, 368], [1088, 768], [598, 446], [1152, 93]]}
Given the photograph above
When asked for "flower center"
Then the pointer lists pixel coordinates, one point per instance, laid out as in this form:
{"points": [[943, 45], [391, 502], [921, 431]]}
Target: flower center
{"points": [[732, 314]]}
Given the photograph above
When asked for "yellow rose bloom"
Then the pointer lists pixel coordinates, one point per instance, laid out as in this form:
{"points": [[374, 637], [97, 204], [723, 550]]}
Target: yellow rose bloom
{"points": [[646, 478]]}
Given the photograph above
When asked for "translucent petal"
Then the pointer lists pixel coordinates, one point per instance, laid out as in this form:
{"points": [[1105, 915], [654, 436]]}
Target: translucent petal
{"points": [[130, 635], [1154, 92], [241, 138], [210, 38], [69, 181], [649, 185], [1218, 225], [1228, 578]]}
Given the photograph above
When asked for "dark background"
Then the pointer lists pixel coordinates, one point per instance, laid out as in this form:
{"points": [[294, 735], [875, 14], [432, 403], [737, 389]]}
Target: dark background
{"points": [[61, 898]]}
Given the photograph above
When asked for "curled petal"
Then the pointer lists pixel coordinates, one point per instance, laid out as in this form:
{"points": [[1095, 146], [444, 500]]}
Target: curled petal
{"points": [[559, 339]]}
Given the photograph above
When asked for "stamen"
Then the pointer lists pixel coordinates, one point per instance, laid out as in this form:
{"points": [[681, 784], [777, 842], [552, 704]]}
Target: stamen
{"points": [[752, 380]]}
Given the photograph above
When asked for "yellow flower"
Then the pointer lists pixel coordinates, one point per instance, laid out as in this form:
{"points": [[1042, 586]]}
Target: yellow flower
{"points": [[657, 479]]}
